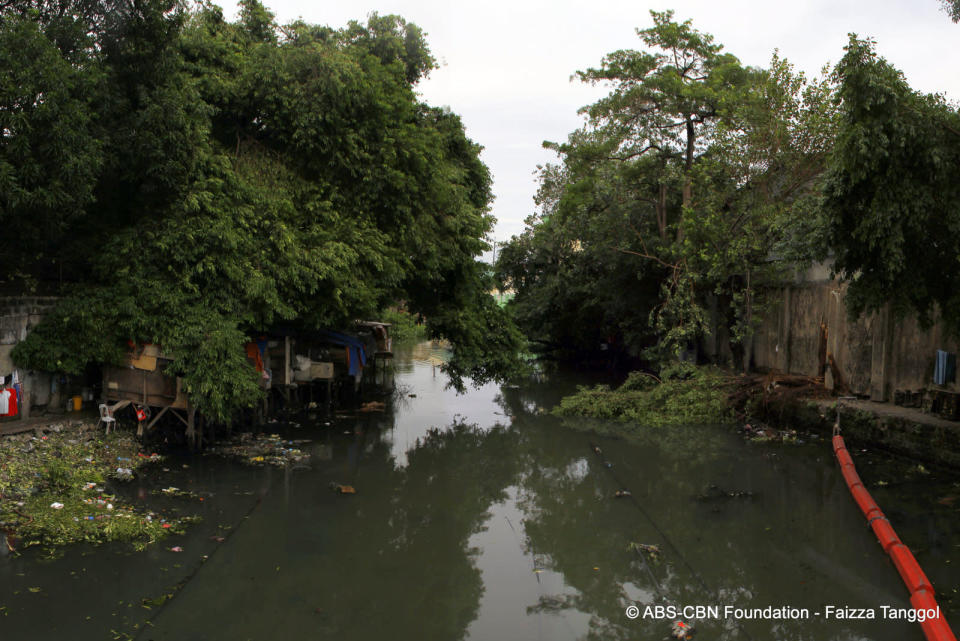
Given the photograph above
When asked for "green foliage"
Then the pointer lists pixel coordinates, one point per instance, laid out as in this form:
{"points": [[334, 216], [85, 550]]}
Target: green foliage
{"points": [[699, 398], [691, 186], [891, 198], [50, 155], [244, 174], [486, 343], [403, 325]]}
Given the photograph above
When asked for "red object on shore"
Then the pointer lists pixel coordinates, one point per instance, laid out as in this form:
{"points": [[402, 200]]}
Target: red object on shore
{"points": [[921, 590]]}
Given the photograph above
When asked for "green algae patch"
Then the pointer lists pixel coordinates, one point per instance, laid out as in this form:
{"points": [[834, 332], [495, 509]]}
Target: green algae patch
{"points": [[692, 396], [54, 490]]}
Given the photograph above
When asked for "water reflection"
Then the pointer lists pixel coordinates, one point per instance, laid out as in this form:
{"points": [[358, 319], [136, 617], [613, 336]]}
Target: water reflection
{"points": [[483, 517]]}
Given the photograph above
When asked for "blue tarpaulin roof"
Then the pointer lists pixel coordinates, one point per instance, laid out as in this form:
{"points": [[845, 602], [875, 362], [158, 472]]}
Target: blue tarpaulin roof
{"points": [[358, 353]]}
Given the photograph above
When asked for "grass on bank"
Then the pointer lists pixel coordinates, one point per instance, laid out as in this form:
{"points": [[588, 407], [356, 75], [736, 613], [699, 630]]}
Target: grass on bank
{"points": [[684, 395]]}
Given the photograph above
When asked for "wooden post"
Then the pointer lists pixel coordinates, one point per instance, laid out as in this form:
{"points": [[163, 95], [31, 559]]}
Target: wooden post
{"points": [[191, 428], [286, 360], [786, 331], [25, 405]]}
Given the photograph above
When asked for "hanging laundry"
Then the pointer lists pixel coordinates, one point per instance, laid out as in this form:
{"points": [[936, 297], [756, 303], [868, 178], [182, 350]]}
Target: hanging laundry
{"points": [[18, 386], [13, 403], [8, 402], [253, 353]]}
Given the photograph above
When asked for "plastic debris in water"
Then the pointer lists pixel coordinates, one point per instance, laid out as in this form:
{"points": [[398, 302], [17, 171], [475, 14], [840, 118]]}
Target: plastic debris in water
{"points": [[681, 630], [621, 493], [343, 489], [176, 548], [652, 551]]}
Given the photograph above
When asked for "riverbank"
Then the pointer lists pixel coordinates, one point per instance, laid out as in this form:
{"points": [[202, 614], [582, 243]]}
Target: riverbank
{"points": [[768, 407], [58, 486], [903, 431]]}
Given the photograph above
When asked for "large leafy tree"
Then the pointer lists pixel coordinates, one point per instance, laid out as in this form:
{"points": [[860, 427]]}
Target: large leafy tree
{"points": [[892, 199], [666, 100], [50, 155], [254, 173], [686, 186]]}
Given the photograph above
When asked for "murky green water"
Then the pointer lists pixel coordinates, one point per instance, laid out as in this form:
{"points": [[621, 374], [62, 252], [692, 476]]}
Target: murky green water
{"points": [[479, 517]]}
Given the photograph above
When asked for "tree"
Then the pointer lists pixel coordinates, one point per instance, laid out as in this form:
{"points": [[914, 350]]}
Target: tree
{"points": [[50, 154], [666, 100], [254, 173], [891, 198], [686, 187]]}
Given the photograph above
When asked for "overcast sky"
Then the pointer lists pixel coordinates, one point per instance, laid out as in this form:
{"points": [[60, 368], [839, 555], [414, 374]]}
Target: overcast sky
{"points": [[506, 65]]}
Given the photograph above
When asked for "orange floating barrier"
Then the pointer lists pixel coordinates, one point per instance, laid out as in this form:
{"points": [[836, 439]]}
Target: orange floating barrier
{"points": [[935, 626]]}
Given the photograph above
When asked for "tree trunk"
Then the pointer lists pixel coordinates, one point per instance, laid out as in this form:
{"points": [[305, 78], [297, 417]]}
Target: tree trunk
{"points": [[662, 212], [748, 333], [687, 178]]}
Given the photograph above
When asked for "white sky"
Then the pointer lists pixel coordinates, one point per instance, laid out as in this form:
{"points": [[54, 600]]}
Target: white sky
{"points": [[506, 66]]}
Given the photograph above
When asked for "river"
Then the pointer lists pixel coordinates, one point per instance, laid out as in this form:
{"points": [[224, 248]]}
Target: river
{"points": [[483, 517]]}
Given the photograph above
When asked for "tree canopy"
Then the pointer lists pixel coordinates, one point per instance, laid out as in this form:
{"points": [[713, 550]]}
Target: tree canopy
{"points": [[684, 190], [194, 181], [891, 196]]}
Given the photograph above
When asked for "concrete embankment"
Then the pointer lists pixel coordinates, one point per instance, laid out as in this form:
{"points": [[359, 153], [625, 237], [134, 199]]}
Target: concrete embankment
{"points": [[906, 431]]}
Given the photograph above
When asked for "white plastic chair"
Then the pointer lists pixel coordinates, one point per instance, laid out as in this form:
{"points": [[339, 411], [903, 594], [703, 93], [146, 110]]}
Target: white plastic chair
{"points": [[105, 417]]}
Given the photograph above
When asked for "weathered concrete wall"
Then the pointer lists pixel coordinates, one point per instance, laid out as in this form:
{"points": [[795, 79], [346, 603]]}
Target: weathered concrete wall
{"points": [[18, 315], [875, 354]]}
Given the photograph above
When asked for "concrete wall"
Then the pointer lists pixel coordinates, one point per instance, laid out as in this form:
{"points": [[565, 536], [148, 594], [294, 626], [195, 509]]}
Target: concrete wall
{"points": [[18, 315], [876, 354]]}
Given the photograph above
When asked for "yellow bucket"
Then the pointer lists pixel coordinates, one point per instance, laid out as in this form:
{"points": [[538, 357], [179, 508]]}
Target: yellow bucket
{"points": [[77, 403]]}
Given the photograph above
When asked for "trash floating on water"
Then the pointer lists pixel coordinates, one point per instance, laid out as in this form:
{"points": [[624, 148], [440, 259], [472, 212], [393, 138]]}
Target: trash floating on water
{"points": [[652, 551], [260, 449], [622, 493], [176, 491], [176, 548], [343, 489], [681, 630], [715, 493]]}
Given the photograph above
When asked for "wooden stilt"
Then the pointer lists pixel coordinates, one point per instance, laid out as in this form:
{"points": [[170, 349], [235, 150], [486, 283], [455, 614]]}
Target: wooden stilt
{"points": [[191, 428]]}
